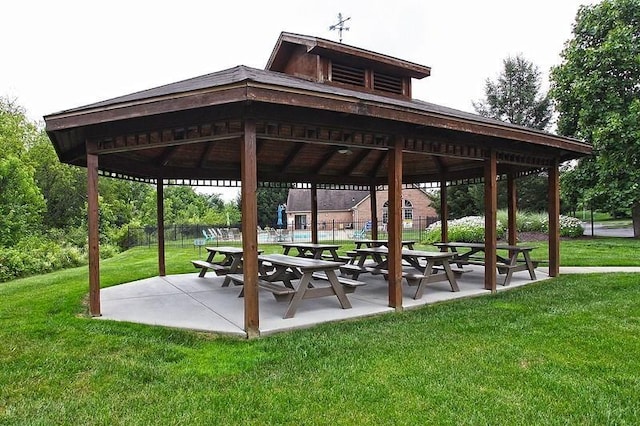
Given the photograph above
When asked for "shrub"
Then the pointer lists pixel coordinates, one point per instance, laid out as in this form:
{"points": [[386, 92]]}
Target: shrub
{"points": [[569, 227], [468, 229], [38, 255]]}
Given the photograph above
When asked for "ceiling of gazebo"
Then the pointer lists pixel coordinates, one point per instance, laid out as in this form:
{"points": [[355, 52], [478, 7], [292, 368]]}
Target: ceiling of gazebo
{"points": [[191, 130]]}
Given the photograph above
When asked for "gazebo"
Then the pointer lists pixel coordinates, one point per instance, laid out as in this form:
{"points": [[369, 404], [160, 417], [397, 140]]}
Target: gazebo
{"points": [[321, 115]]}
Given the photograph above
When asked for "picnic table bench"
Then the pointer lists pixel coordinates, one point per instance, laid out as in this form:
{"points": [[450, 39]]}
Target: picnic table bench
{"points": [[296, 275], [313, 251], [505, 265], [429, 267], [230, 264]]}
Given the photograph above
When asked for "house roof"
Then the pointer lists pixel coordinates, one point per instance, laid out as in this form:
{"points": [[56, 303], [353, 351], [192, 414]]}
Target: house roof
{"points": [[299, 200]]}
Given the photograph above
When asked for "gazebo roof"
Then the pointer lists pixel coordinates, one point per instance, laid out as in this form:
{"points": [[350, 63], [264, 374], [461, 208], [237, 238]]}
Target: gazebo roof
{"points": [[307, 131]]}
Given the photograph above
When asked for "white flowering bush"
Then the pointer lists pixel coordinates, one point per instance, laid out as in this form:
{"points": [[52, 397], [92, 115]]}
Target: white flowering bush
{"points": [[569, 226], [469, 229]]}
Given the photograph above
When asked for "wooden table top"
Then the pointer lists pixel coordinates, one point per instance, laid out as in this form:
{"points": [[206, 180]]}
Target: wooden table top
{"points": [[406, 252], [304, 263], [403, 242], [225, 249], [311, 245], [482, 245]]}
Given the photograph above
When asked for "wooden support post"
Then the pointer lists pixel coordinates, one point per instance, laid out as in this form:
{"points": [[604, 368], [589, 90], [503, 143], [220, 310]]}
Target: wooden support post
{"points": [[374, 212], [554, 220], [444, 212], [94, 236], [512, 209], [490, 217], [395, 225], [314, 213], [249, 176], [162, 271]]}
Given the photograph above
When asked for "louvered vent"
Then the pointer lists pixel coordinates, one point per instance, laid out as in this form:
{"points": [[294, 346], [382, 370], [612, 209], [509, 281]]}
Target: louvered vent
{"points": [[387, 83], [349, 75]]}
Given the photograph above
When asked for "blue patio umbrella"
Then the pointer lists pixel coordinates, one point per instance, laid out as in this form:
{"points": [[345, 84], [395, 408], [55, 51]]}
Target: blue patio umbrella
{"points": [[280, 214]]}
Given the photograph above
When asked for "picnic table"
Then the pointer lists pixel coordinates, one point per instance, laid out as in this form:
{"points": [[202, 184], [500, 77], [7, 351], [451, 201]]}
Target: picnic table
{"points": [[378, 243], [296, 278], [313, 251], [230, 264], [431, 266], [505, 265]]}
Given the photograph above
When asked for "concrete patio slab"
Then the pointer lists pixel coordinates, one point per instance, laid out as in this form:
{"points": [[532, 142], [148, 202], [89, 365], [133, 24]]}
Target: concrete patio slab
{"points": [[190, 302]]}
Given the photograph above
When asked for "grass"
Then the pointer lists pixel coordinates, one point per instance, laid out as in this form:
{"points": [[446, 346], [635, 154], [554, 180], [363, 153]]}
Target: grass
{"points": [[560, 351]]}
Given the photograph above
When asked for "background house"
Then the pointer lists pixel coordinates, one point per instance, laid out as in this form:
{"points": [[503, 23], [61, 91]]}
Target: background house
{"points": [[352, 209]]}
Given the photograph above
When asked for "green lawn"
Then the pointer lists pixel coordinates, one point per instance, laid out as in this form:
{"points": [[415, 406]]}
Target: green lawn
{"points": [[560, 351]]}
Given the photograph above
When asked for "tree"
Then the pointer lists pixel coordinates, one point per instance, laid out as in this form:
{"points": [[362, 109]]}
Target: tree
{"points": [[268, 200], [64, 187], [21, 202], [597, 95], [516, 97]]}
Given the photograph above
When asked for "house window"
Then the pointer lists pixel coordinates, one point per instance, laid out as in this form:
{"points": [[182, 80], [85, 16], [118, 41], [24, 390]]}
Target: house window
{"points": [[407, 211], [385, 212], [300, 221]]}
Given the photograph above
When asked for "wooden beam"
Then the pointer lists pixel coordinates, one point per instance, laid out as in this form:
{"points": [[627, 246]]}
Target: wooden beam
{"points": [[374, 212], [166, 155], [512, 209], [444, 211], [324, 161], [356, 162], [378, 164], [314, 213], [490, 213], [554, 220], [160, 212], [94, 235], [395, 225], [292, 156], [249, 172], [207, 149]]}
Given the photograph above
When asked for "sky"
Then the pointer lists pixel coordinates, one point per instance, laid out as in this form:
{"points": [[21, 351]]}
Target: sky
{"points": [[64, 54]]}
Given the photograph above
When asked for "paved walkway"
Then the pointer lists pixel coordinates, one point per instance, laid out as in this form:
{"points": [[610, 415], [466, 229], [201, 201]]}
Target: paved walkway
{"points": [[189, 302], [602, 230]]}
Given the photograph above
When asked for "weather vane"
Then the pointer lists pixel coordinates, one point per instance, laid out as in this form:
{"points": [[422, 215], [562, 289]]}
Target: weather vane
{"points": [[340, 25]]}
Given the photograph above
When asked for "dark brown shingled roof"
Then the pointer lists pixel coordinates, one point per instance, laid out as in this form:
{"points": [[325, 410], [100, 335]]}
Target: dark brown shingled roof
{"points": [[242, 73]]}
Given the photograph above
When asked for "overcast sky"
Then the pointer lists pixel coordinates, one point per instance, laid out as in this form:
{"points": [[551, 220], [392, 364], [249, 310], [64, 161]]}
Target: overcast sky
{"points": [[63, 54]]}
